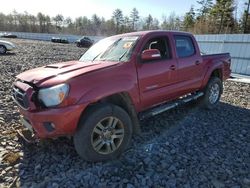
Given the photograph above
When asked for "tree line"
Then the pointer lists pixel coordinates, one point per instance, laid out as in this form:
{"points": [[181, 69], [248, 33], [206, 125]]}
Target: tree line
{"points": [[219, 17], [208, 18]]}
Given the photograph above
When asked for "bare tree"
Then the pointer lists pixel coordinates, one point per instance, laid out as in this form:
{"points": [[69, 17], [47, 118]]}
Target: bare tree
{"points": [[246, 17], [42, 21], [96, 24], [58, 19], [148, 22], [134, 16], [189, 19], [172, 22], [118, 18]]}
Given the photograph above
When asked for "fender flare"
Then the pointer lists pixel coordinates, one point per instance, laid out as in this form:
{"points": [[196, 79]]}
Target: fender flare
{"points": [[216, 66]]}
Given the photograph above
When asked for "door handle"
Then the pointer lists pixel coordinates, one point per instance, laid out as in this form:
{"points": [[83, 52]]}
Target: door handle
{"points": [[172, 67], [197, 62]]}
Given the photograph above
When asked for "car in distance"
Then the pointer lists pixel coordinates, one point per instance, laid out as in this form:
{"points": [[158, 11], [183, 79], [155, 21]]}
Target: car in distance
{"points": [[6, 46], [59, 40], [120, 80], [8, 35], [84, 42]]}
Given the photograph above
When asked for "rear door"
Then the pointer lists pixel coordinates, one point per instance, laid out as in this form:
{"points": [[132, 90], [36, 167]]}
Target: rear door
{"points": [[156, 77], [190, 64]]}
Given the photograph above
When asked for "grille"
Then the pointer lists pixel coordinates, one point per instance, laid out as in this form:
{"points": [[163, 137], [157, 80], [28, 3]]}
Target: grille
{"points": [[20, 97]]}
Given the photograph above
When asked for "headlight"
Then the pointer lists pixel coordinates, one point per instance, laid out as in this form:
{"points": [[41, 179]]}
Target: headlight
{"points": [[54, 95]]}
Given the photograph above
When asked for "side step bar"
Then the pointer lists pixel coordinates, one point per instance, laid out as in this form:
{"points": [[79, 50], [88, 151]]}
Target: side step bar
{"points": [[169, 105]]}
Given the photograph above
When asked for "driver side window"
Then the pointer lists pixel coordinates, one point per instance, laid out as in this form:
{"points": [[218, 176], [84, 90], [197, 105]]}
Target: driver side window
{"points": [[161, 44]]}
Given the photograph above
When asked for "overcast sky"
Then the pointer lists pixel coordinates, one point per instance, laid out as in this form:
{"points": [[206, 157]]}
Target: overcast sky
{"points": [[76, 8]]}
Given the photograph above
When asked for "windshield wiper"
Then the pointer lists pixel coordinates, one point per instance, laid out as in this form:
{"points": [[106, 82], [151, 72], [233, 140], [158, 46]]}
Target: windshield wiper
{"points": [[114, 57], [122, 56], [105, 53], [96, 56]]}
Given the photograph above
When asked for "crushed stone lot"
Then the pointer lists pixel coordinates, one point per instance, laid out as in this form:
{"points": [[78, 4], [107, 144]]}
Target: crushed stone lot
{"points": [[185, 147]]}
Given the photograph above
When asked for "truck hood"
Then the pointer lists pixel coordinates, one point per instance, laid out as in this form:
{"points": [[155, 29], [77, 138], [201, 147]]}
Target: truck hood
{"points": [[66, 70]]}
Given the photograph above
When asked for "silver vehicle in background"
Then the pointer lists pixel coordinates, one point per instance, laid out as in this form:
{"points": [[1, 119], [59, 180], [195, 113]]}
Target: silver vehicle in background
{"points": [[6, 46]]}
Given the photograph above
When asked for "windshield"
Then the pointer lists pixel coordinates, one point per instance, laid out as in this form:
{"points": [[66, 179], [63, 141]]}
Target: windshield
{"points": [[111, 49]]}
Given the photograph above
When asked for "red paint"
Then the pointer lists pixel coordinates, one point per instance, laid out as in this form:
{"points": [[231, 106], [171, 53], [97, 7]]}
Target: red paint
{"points": [[65, 120], [147, 84]]}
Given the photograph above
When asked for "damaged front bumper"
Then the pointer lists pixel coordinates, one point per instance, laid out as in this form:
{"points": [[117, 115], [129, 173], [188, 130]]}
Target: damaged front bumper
{"points": [[51, 123], [46, 122]]}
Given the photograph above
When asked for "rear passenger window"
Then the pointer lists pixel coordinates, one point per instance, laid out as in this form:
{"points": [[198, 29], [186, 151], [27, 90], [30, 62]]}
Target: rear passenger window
{"points": [[184, 46]]}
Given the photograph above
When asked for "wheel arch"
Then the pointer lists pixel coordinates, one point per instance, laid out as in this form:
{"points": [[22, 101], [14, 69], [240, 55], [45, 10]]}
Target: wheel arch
{"points": [[122, 100], [214, 71], [217, 73]]}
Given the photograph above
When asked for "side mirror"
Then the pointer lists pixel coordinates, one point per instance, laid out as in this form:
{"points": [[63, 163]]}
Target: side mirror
{"points": [[150, 54]]}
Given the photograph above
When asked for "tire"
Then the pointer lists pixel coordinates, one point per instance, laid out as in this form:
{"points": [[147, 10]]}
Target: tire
{"points": [[93, 142], [212, 93], [3, 49]]}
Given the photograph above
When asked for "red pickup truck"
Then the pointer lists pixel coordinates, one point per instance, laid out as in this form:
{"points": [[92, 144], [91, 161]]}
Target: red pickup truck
{"points": [[100, 98]]}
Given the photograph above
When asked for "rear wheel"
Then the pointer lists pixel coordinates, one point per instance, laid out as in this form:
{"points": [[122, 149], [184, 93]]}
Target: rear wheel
{"points": [[3, 49], [212, 93], [103, 133]]}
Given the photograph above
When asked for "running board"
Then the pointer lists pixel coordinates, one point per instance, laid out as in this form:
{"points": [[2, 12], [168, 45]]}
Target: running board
{"points": [[169, 105]]}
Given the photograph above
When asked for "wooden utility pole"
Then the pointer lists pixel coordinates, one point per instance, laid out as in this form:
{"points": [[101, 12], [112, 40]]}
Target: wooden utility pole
{"points": [[246, 19]]}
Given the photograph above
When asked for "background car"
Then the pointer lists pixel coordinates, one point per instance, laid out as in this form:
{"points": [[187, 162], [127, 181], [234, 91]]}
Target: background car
{"points": [[84, 42], [8, 35], [6, 46], [59, 40]]}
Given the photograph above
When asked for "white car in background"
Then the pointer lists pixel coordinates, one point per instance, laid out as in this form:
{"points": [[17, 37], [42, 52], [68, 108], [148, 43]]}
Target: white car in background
{"points": [[6, 46]]}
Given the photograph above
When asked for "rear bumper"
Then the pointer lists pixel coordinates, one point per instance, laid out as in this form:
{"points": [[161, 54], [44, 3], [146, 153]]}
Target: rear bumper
{"points": [[51, 123]]}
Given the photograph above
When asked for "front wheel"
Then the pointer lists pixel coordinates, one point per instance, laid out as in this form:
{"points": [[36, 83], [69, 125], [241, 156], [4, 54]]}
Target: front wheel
{"points": [[104, 132], [3, 49], [212, 93]]}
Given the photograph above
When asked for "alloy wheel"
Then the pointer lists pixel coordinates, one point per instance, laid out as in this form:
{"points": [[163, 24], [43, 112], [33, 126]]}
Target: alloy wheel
{"points": [[107, 135]]}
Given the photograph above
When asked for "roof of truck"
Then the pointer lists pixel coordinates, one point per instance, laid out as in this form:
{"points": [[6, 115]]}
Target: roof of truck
{"points": [[142, 33]]}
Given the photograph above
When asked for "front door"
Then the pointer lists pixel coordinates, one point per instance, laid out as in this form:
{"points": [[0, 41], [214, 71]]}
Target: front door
{"points": [[156, 76]]}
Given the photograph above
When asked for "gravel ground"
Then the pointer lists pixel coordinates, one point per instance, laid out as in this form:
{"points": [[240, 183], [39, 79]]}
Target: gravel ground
{"points": [[184, 147]]}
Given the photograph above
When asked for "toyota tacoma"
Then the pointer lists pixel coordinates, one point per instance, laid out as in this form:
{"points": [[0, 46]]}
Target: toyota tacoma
{"points": [[100, 99]]}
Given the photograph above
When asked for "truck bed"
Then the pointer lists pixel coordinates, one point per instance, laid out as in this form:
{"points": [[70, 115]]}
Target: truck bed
{"points": [[225, 58]]}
